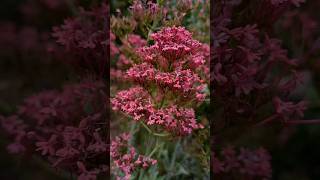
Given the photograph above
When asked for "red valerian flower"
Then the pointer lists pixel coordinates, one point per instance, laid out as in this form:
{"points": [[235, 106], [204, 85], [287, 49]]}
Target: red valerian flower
{"points": [[85, 40], [136, 102], [170, 67], [250, 163], [251, 71], [145, 12], [182, 81], [126, 158], [64, 127]]}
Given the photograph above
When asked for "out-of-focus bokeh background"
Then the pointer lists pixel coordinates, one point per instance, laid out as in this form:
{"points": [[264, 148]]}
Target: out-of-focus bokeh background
{"points": [[296, 155], [27, 67], [30, 62]]}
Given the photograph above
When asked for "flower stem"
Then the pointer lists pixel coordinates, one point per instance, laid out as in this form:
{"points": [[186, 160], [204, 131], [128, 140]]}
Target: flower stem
{"points": [[147, 128], [161, 135], [155, 148], [173, 160], [151, 132]]}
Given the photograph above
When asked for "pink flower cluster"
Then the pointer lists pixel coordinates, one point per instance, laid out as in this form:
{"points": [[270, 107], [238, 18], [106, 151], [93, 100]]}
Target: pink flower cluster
{"points": [[136, 102], [130, 44], [67, 128], [113, 48], [247, 163], [27, 42], [178, 121], [175, 49], [173, 45], [169, 66], [85, 39], [288, 110], [128, 49], [142, 12], [183, 82], [123, 62], [126, 158], [253, 77], [245, 71], [134, 41]]}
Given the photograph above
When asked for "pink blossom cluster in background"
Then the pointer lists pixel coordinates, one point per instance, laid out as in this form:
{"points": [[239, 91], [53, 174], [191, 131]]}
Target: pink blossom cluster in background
{"points": [[129, 46], [85, 40], [246, 162], [246, 71], [65, 128], [253, 80], [141, 13]]}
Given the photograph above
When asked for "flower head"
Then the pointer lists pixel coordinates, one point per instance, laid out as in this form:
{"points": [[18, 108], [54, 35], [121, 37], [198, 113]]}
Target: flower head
{"points": [[126, 158]]}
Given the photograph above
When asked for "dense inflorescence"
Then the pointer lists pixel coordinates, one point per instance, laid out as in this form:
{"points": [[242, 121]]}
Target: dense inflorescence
{"points": [[246, 71], [126, 158], [245, 163], [160, 74], [251, 74], [85, 40], [64, 128], [168, 65], [125, 55]]}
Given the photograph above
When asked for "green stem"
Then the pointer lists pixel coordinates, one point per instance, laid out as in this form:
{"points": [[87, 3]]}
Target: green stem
{"points": [[141, 174], [132, 132], [147, 128], [161, 135], [151, 132], [174, 156], [150, 30], [155, 148]]}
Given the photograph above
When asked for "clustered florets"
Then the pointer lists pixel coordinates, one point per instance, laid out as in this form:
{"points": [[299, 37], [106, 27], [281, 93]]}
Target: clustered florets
{"points": [[252, 163], [166, 64], [184, 82], [137, 103], [145, 12], [251, 71], [245, 70], [126, 158], [64, 127], [169, 83], [85, 40], [130, 44], [173, 46]]}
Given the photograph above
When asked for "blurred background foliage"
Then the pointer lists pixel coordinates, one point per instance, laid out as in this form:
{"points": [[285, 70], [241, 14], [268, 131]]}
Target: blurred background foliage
{"points": [[28, 66], [296, 154]]}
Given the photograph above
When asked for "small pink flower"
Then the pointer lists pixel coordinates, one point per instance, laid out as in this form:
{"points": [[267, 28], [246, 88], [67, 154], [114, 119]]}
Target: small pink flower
{"points": [[127, 162]]}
